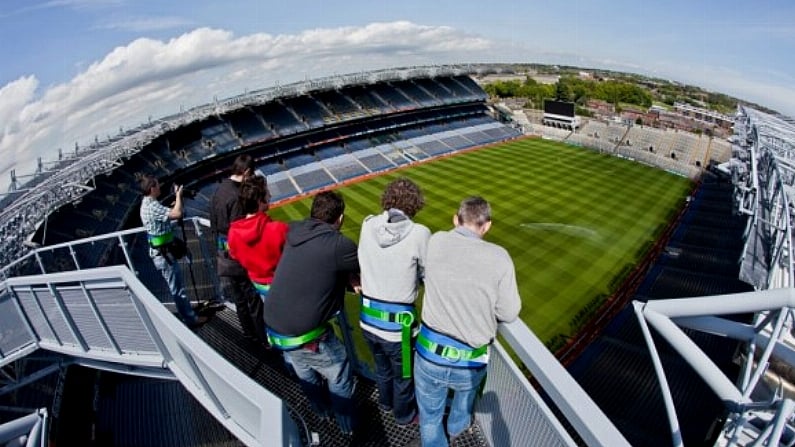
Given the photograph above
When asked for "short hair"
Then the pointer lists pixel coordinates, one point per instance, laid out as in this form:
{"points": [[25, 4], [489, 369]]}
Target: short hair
{"points": [[253, 191], [147, 182], [242, 164], [404, 195], [327, 206], [474, 210]]}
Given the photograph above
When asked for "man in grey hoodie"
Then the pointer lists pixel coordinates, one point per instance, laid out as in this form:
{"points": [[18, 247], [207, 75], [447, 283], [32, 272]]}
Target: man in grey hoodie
{"points": [[392, 256]]}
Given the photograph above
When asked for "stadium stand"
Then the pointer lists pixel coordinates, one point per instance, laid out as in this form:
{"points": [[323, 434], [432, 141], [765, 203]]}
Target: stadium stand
{"points": [[373, 160], [279, 119], [344, 167], [249, 126]]}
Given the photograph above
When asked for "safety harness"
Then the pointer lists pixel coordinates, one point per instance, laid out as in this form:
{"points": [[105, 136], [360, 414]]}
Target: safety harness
{"points": [[222, 243], [447, 351], [289, 342], [392, 317], [161, 243], [262, 289], [160, 240]]}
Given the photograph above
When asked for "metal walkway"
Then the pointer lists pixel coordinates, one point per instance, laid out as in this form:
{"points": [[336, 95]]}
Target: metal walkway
{"points": [[375, 428]]}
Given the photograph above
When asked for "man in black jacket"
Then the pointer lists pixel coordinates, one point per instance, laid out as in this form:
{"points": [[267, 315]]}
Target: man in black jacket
{"points": [[307, 291], [235, 285]]}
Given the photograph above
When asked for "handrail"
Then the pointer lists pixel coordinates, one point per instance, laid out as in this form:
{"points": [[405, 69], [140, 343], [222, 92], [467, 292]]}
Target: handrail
{"points": [[253, 414], [591, 424]]}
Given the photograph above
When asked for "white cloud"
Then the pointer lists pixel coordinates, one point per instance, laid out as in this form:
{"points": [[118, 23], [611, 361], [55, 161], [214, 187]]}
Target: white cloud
{"points": [[150, 77], [153, 78]]}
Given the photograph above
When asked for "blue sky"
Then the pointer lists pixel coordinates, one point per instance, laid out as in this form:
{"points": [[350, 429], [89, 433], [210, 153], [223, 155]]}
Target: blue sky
{"points": [[74, 69]]}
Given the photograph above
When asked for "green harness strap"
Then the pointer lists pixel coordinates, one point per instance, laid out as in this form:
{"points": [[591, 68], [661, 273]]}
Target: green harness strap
{"points": [[160, 239], [406, 319], [294, 342], [450, 352]]}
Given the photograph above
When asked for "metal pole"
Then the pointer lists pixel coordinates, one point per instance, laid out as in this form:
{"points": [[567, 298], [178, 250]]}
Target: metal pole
{"points": [[668, 400]]}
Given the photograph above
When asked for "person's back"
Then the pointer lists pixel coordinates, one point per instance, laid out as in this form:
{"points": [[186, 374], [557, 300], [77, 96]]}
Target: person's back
{"points": [[307, 290], [478, 273], [392, 257], [470, 286], [233, 278], [309, 283]]}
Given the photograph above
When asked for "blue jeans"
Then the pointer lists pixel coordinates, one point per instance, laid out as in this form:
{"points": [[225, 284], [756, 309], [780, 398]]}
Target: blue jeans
{"points": [[176, 286], [247, 304], [394, 391], [433, 382], [331, 363]]}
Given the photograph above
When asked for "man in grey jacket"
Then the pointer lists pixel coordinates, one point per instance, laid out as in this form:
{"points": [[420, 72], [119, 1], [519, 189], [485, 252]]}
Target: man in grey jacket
{"points": [[392, 256], [470, 286]]}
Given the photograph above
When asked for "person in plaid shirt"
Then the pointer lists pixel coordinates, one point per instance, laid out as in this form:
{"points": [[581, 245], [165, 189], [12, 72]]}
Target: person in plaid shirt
{"points": [[156, 220]]}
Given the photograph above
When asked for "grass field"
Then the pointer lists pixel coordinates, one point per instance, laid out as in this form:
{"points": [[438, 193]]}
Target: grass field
{"points": [[574, 221]]}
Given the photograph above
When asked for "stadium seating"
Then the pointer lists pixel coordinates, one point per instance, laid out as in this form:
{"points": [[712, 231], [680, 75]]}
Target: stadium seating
{"points": [[219, 136], [365, 98], [249, 126], [344, 167], [279, 119], [374, 160], [310, 111]]}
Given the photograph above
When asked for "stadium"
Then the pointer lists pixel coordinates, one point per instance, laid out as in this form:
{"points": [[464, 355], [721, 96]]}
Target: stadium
{"points": [[655, 270]]}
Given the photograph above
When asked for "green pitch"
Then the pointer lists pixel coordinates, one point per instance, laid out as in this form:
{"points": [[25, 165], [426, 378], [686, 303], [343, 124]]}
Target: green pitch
{"points": [[574, 221]]}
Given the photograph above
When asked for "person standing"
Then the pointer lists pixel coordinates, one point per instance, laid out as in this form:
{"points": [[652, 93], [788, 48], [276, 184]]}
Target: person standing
{"points": [[233, 278], [470, 287], [307, 291], [255, 240], [392, 252], [156, 220]]}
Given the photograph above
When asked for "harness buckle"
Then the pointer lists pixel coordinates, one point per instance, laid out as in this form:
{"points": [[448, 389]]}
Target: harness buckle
{"points": [[405, 318], [452, 353]]}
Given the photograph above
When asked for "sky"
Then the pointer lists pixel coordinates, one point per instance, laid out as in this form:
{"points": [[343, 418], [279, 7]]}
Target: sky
{"points": [[75, 70]]}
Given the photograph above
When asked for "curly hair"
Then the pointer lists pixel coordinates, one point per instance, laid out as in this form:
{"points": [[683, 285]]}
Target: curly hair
{"points": [[253, 191], [404, 195]]}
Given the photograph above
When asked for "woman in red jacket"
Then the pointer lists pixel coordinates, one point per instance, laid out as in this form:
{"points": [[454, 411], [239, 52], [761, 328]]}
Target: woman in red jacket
{"points": [[256, 241]]}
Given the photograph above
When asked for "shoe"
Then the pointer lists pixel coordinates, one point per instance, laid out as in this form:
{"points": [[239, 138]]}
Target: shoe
{"points": [[416, 442], [198, 322], [414, 421], [213, 306]]}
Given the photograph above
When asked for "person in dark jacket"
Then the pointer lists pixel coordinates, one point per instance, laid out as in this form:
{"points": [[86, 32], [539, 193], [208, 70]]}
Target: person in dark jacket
{"points": [[235, 285], [307, 291]]}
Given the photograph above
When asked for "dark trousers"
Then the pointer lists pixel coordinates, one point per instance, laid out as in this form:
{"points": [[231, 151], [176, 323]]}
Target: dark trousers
{"points": [[394, 392], [248, 304]]}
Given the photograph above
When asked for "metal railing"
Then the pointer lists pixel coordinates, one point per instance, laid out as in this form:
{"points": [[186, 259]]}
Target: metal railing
{"points": [[109, 318], [30, 430]]}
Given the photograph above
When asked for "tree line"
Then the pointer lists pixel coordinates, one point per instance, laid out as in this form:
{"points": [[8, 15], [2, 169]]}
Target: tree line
{"points": [[573, 89]]}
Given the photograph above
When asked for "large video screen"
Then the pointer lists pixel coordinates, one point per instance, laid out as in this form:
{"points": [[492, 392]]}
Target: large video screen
{"points": [[559, 108]]}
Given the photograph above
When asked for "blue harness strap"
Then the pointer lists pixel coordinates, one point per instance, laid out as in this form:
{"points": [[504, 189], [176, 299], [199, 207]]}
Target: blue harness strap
{"points": [[385, 315], [392, 317], [447, 351]]}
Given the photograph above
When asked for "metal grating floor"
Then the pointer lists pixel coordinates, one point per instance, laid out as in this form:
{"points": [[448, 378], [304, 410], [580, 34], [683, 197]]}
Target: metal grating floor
{"points": [[374, 427]]}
